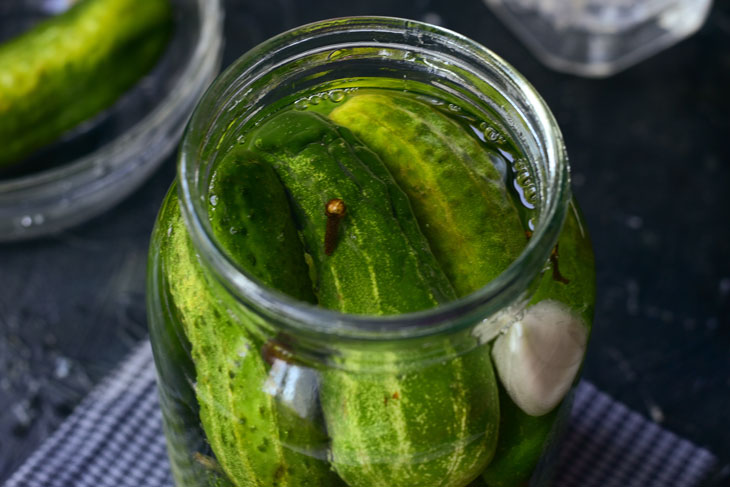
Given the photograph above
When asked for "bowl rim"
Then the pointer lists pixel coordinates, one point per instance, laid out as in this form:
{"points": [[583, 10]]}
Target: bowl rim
{"points": [[123, 156]]}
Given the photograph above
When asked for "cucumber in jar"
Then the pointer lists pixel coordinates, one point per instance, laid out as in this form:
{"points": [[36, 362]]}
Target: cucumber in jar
{"points": [[394, 419], [457, 194], [256, 439]]}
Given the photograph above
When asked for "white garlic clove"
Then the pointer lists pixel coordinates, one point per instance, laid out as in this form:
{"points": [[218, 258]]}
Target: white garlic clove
{"points": [[492, 327], [538, 357]]}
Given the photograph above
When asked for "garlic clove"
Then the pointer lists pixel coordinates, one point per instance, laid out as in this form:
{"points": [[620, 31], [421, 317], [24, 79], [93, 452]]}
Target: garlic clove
{"points": [[538, 357], [490, 328]]}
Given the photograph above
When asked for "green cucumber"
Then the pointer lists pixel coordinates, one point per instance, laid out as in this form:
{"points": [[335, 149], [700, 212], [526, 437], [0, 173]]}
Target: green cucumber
{"points": [[72, 66], [397, 421], [258, 440], [522, 442], [251, 219], [394, 419], [457, 194], [574, 261], [382, 263]]}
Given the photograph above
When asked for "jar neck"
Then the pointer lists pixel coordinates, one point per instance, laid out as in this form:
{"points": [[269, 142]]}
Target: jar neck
{"points": [[360, 48]]}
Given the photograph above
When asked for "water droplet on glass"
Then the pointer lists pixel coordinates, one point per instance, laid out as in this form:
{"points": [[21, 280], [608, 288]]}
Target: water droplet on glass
{"points": [[522, 192], [454, 108], [241, 139], [213, 200], [520, 165], [531, 194], [233, 230], [523, 178], [337, 95], [315, 99], [301, 104], [26, 221], [259, 143]]}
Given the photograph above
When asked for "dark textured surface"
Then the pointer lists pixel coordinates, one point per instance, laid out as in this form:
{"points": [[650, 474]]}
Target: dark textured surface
{"points": [[651, 169]]}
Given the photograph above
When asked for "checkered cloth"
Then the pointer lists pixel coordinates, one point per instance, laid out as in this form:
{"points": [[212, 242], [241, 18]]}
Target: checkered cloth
{"points": [[114, 439]]}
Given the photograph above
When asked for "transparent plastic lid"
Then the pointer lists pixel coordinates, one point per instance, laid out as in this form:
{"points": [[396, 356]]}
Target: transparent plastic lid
{"points": [[597, 38]]}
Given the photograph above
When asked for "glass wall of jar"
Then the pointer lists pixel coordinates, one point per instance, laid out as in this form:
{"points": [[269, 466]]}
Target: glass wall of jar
{"points": [[260, 388]]}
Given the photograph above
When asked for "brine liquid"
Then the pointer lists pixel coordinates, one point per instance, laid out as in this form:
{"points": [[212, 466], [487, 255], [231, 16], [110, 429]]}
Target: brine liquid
{"points": [[490, 132]]}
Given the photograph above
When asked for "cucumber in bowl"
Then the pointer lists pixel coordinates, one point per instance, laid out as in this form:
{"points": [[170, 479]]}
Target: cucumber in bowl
{"points": [[72, 66]]}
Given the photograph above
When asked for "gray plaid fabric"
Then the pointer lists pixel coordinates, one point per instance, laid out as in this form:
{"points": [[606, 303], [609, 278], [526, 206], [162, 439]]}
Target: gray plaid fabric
{"points": [[114, 439]]}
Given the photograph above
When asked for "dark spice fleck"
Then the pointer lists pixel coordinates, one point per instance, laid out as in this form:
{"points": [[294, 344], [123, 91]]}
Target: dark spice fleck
{"points": [[557, 276], [335, 210]]}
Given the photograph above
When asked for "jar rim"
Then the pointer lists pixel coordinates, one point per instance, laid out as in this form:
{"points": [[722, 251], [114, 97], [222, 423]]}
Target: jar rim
{"points": [[301, 318]]}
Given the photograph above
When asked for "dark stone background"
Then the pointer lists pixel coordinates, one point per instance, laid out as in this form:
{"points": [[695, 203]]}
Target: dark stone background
{"points": [[651, 169]]}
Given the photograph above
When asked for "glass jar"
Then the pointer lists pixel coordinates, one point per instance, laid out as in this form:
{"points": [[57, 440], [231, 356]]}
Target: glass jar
{"points": [[258, 388]]}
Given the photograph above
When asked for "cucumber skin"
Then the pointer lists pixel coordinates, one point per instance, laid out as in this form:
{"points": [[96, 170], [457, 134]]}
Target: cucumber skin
{"points": [[457, 194], [382, 263], [415, 424], [71, 67], [522, 441], [576, 263], [256, 439], [522, 437], [394, 419], [252, 221]]}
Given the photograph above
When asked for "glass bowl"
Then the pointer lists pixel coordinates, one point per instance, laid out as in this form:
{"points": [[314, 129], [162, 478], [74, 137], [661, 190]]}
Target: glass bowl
{"points": [[104, 159]]}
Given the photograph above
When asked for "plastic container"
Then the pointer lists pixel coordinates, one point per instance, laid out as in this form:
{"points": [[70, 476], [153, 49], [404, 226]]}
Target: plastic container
{"points": [[104, 159], [598, 38], [258, 388]]}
